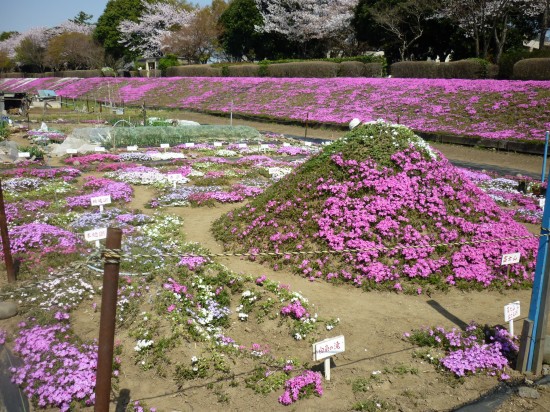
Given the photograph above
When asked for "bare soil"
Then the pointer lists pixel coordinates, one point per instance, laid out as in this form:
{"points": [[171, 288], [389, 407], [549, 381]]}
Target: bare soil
{"points": [[373, 325]]}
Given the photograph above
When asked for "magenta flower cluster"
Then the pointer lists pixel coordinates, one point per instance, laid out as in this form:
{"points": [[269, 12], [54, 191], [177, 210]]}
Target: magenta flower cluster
{"points": [[297, 387], [117, 191], [295, 310], [192, 262], [66, 173], [394, 217], [42, 238], [55, 372], [473, 350]]}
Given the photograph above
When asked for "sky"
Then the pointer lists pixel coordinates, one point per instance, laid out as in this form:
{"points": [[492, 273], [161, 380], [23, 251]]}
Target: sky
{"points": [[21, 15]]}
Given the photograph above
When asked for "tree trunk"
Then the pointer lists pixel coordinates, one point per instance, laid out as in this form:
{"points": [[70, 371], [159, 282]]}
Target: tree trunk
{"points": [[544, 26]]}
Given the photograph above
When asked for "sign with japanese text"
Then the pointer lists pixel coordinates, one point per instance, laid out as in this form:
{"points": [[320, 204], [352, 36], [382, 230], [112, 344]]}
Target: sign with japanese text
{"points": [[164, 145], [131, 148], [100, 149], [510, 258], [511, 311], [72, 151], [100, 200], [328, 347], [95, 234], [23, 154]]}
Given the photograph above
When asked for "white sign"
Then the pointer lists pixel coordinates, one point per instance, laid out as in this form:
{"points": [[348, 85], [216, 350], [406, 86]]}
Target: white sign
{"points": [[100, 149], [95, 234], [217, 144], [72, 151], [131, 148], [174, 177], [100, 200], [264, 146], [542, 202], [23, 154], [286, 144], [164, 145], [328, 347], [190, 144], [511, 311], [307, 143], [510, 258], [241, 145]]}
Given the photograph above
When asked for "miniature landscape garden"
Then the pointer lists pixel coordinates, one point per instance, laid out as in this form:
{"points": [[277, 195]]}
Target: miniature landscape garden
{"points": [[242, 248]]}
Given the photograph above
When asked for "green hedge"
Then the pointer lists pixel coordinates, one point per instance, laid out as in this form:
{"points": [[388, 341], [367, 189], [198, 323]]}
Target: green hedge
{"points": [[461, 69], [358, 69], [194, 70], [532, 69]]}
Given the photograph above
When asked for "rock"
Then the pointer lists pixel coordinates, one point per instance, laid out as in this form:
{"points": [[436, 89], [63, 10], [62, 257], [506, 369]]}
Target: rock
{"points": [[7, 310], [545, 370], [354, 123], [526, 392]]}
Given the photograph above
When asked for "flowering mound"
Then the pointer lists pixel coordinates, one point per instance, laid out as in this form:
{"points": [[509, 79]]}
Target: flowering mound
{"points": [[386, 207]]}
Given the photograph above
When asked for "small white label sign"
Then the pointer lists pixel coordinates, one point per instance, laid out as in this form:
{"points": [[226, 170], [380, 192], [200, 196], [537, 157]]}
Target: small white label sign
{"points": [[328, 347], [286, 144], [542, 202], [72, 151], [100, 200], [217, 144], [264, 146], [174, 177], [131, 148], [95, 234], [100, 149], [511, 311], [241, 145], [307, 143], [23, 154], [190, 144], [164, 145], [510, 258]]}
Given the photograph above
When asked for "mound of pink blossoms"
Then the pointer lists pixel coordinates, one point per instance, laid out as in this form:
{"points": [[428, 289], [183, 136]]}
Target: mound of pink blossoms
{"points": [[393, 209]]}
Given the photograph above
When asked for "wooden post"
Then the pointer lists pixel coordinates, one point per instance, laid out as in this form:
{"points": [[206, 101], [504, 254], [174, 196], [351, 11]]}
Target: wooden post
{"points": [[307, 118], [107, 322], [6, 239]]}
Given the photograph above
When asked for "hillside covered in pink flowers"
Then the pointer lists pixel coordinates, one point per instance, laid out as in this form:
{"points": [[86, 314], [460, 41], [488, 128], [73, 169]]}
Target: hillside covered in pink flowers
{"points": [[390, 211]]}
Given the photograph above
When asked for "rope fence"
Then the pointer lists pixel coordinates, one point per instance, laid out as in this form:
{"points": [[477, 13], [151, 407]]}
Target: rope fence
{"points": [[118, 254], [107, 255]]}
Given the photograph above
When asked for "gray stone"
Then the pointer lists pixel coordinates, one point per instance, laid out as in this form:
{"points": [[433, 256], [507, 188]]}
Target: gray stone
{"points": [[526, 392], [7, 310], [545, 370]]}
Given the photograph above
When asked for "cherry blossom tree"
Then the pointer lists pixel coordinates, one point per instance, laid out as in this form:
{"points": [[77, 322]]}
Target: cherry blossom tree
{"points": [[146, 35], [305, 20]]}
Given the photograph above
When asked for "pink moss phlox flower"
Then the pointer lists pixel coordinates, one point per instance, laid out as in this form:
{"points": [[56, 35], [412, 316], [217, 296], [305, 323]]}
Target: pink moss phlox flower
{"points": [[295, 310], [296, 387]]}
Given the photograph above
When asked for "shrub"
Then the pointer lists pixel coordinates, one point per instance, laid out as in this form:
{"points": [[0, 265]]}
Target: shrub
{"points": [[374, 69], [83, 74], [303, 69], [244, 70], [532, 69], [352, 69], [419, 70], [462, 69], [194, 70], [170, 60]]}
